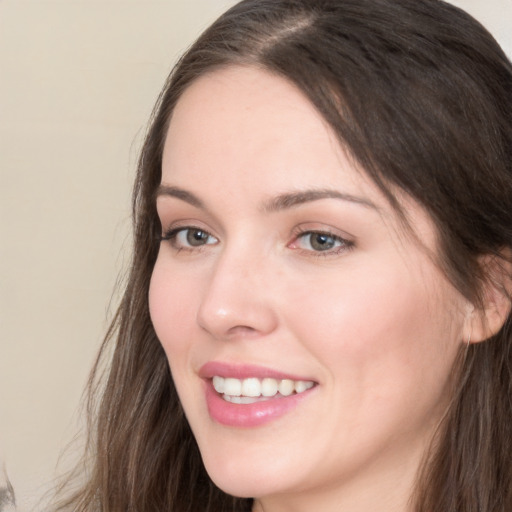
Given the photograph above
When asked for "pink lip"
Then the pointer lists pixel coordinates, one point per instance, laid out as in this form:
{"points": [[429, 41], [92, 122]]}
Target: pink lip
{"points": [[243, 371], [247, 415]]}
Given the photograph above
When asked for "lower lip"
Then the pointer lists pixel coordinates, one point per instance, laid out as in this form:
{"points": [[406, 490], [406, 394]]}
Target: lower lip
{"points": [[250, 415]]}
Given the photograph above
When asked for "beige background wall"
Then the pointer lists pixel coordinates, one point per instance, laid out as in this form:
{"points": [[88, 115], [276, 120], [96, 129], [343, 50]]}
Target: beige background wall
{"points": [[78, 79]]}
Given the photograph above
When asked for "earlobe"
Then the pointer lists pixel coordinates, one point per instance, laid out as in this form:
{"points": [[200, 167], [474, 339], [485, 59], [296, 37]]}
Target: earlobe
{"points": [[488, 318]]}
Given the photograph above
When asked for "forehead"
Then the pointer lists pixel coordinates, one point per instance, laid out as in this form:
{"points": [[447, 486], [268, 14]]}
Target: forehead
{"points": [[247, 122]]}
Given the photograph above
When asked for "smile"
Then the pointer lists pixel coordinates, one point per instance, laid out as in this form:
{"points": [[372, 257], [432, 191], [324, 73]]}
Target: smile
{"points": [[253, 389]]}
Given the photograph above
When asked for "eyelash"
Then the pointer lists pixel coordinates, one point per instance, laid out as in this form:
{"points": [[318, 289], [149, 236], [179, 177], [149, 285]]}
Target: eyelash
{"points": [[344, 245], [172, 234]]}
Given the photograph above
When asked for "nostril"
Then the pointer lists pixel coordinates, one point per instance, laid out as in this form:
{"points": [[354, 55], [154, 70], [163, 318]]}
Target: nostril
{"points": [[245, 321], [242, 331]]}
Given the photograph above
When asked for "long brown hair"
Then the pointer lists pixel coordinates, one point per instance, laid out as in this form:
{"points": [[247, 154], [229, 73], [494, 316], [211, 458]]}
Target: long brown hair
{"points": [[420, 94]]}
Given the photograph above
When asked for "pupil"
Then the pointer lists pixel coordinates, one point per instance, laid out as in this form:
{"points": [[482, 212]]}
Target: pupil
{"points": [[196, 237], [322, 242]]}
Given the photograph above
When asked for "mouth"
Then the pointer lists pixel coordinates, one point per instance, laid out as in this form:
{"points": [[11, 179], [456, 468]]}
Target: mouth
{"points": [[254, 389], [251, 396]]}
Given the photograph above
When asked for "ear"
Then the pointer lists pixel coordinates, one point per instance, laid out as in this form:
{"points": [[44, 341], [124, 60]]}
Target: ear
{"points": [[486, 319]]}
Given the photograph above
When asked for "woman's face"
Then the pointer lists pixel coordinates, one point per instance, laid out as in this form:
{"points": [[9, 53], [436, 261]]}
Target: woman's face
{"points": [[285, 281]]}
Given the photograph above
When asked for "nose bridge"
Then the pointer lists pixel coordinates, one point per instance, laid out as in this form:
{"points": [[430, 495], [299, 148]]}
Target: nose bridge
{"points": [[236, 298]]}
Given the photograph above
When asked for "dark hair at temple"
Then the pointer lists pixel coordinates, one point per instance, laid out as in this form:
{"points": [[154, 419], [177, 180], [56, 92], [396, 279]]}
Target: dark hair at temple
{"points": [[420, 95]]}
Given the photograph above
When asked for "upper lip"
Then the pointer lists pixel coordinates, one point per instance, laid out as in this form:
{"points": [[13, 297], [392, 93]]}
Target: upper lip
{"points": [[244, 371]]}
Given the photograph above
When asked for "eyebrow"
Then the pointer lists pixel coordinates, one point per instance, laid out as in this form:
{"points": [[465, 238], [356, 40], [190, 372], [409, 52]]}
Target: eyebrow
{"points": [[179, 193], [290, 200], [281, 202]]}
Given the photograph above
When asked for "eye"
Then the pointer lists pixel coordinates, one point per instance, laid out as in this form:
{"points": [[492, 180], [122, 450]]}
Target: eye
{"points": [[189, 238], [321, 242]]}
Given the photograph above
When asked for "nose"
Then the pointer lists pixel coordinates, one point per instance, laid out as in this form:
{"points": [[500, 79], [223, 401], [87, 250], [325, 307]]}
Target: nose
{"points": [[237, 300]]}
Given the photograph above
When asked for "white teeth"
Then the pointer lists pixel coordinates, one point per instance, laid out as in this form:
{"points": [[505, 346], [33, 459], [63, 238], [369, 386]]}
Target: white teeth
{"points": [[246, 390], [239, 399], [269, 387], [286, 387], [251, 387], [302, 385], [218, 384], [232, 387]]}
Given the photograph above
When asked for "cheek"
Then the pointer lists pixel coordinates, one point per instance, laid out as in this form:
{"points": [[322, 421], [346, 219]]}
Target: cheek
{"points": [[171, 302], [380, 334]]}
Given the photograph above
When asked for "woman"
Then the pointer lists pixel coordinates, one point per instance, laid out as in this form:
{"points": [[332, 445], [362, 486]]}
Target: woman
{"points": [[318, 311]]}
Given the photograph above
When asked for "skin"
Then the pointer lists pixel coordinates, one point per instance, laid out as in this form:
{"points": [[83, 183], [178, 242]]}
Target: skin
{"points": [[372, 321]]}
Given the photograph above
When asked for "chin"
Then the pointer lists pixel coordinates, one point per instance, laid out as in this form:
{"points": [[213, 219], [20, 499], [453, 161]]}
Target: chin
{"points": [[244, 483], [246, 475]]}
